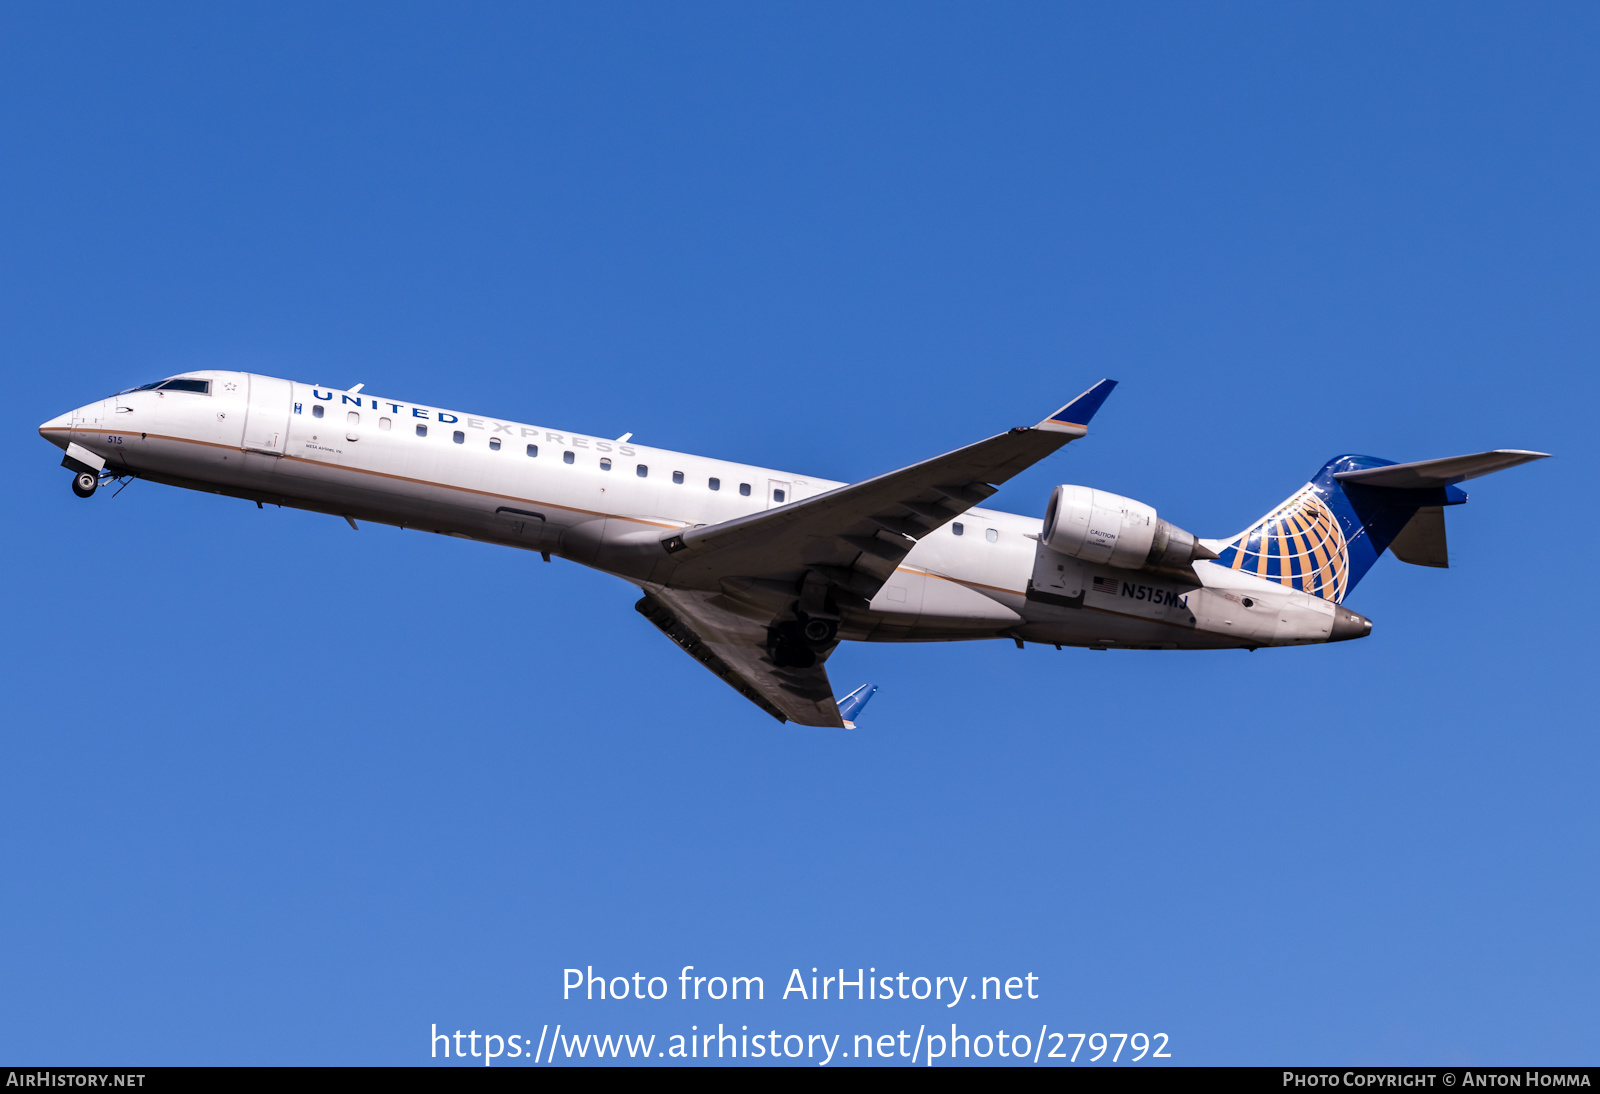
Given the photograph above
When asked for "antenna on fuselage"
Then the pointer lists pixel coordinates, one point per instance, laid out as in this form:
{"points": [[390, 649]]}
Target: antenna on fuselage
{"points": [[624, 438], [356, 390]]}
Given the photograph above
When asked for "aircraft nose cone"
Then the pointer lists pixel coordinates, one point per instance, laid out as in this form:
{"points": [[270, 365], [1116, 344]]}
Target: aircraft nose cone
{"points": [[57, 430], [1348, 624]]}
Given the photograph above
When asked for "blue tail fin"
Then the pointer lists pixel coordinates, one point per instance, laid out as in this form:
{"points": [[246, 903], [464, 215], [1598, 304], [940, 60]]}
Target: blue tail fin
{"points": [[1324, 538]]}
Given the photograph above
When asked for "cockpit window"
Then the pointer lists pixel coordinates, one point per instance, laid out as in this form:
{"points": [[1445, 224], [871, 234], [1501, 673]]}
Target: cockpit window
{"points": [[201, 387]]}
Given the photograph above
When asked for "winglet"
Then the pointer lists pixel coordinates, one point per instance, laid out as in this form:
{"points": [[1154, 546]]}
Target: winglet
{"points": [[851, 704], [1074, 417]]}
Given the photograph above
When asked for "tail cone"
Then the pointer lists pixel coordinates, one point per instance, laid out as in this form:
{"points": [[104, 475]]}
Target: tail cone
{"points": [[1348, 624]]}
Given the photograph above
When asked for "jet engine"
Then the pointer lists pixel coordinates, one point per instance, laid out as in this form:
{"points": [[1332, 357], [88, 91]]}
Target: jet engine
{"points": [[1115, 531]]}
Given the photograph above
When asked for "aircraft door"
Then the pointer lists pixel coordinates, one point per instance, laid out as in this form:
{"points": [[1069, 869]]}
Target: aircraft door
{"points": [[779, 493], [266, 425]]}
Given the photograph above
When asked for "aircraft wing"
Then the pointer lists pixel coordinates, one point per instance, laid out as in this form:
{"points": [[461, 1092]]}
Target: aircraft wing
{"points": [[737, 596], [734, 648], [856, 535]]}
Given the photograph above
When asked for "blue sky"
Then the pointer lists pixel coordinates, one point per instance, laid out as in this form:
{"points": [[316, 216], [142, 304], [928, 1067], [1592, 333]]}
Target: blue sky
{"points": [[278, 792]]}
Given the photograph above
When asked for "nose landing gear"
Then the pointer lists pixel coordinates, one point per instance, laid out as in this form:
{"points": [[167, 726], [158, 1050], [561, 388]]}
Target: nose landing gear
{"points": [[85, 481]]}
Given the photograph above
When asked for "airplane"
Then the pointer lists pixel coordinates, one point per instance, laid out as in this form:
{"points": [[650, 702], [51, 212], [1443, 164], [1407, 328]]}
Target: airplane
{"points": [[759, 574]]}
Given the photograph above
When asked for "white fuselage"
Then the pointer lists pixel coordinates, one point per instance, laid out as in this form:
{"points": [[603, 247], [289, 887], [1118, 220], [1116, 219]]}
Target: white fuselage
{"points": [[557, 492]]}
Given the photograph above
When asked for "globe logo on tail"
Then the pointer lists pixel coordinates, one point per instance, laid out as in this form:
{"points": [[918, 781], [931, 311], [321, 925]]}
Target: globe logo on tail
{"points": [[1298, 544]]}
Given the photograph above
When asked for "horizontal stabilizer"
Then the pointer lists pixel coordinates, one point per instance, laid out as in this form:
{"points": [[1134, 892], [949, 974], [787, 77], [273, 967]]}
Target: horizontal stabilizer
{"points": [[1445, 472], [1422, 542], [1074, 417], [851, 704]]}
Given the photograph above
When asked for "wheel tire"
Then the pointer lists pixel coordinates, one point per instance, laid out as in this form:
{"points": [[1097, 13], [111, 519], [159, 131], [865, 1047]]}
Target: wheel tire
{"points": [[84, 483], [818, 630]]}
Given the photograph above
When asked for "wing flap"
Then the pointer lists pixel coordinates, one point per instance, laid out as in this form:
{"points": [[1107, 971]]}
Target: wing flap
{"points": [[734, 648], [739, 596]]}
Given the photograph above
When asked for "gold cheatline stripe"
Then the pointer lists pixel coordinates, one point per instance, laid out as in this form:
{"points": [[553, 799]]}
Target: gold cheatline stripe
{"points": [[388, 475]]}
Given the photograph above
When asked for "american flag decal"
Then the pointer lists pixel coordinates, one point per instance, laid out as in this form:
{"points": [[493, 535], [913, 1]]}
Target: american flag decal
{"points": [[1107, 585]]}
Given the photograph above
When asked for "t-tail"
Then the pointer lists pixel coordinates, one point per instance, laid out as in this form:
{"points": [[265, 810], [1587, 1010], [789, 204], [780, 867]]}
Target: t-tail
{"points": [[1326, 536]]}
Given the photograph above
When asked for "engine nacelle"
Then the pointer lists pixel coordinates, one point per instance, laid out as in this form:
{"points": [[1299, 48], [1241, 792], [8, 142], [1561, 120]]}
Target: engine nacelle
{"points": [[1116, 531]]}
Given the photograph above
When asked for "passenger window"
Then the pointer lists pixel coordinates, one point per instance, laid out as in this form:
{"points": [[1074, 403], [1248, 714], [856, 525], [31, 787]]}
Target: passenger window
{"points": [[958, 528], [385, 424], [533, 450], [744, 489], [990, 534], [677, 477], [353, 418], [715, 484], [642, 471], [459, 437], [605, 463], [567, 457], [777, 496], [316, 411], [494, 444], [422, 430]]}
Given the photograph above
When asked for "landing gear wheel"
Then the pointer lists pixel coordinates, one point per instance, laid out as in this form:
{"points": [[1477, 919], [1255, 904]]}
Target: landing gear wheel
{"points": [[84, 483], [819, 630]]}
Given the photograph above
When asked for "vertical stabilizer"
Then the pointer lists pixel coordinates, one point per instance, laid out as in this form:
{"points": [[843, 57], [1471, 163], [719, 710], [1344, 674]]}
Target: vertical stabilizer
{"points": [[1325, 537]]}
